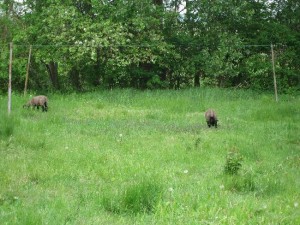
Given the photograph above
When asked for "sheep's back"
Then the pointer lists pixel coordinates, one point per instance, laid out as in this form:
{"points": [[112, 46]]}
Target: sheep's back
{"points": [[210, 114], [39, 100]]}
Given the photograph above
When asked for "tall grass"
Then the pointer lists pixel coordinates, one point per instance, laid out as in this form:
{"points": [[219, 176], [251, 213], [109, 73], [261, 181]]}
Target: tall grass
{"points": [[148, 157]]}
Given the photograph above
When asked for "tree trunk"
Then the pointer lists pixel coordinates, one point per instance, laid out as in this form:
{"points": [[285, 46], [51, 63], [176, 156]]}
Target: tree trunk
{"points": [[75, 78], [158, 2], [221, 81], [177, 87], [197, 79], [52, 68], [98, 71], [164, 74], [171, 79]]}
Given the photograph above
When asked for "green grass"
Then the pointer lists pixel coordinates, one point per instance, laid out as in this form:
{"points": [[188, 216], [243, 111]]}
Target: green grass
{"points": [[133, 157]]}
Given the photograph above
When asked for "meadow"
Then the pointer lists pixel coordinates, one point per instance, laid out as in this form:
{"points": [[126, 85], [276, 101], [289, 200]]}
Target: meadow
{"points": [[148, 157]]}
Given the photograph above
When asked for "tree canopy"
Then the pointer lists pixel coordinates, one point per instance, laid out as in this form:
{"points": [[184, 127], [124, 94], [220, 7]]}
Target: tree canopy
{"points": [[81, 45]]}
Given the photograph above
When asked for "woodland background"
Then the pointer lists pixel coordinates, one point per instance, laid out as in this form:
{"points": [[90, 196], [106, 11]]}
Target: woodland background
{"points": [[150, 44]]}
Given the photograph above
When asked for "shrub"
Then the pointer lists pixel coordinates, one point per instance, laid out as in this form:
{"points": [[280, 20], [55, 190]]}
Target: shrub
{"points": [[233, 162]]}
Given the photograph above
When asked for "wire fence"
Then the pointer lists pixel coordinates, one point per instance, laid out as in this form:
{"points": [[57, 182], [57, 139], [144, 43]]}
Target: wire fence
{"points": [[84, 45], [7, 49]]}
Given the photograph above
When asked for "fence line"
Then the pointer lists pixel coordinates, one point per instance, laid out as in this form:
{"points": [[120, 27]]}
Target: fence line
{"points": [[271, 46], [123, 45]]}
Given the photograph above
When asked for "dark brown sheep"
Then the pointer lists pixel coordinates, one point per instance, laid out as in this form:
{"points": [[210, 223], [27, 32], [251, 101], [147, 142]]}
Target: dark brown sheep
{"points": [[38, 101], [211, 118]]}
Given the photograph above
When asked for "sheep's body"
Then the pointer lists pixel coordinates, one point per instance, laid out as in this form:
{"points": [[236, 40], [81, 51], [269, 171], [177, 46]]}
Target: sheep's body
{"points": [[211, 118], [38, 101]]}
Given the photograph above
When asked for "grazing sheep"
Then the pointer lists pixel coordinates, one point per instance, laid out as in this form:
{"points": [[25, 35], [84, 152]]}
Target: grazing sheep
{"points": [[211, 118], [38, 101]]}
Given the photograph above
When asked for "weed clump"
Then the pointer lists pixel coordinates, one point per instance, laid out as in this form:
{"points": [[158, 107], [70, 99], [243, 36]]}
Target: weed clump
{"points": [[142, 197], [139, 198], [241, 183], [234, 181], [233, 162], [7, 126]]}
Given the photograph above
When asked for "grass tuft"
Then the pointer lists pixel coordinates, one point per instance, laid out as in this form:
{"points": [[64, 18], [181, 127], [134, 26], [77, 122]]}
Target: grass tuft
{"points": [[142, 197], [240, 183], [7, 125]]}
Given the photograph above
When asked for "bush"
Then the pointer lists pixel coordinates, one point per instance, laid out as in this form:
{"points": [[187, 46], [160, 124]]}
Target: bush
{"points": [[233, 162]]}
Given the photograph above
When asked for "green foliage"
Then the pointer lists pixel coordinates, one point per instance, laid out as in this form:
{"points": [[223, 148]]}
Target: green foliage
{"points": [[233, 162], [260, 72], [224, 61], [87, 44], [3, 68]]}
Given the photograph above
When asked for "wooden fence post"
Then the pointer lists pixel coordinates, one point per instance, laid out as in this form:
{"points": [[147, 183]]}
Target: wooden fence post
{"points": [[9, 76], [274, 74]]}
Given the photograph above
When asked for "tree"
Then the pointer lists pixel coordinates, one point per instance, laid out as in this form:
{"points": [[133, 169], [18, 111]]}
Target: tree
{"points": [[151, 43]]}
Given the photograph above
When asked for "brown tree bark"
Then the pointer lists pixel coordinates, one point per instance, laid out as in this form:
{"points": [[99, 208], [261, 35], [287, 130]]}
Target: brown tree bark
{"points": [[52, 68], [75, 78], [158, 2], [197, 79]]}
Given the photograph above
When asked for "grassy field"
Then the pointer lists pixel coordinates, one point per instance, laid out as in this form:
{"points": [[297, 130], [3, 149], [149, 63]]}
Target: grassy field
{"points": [[133, 157]]}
